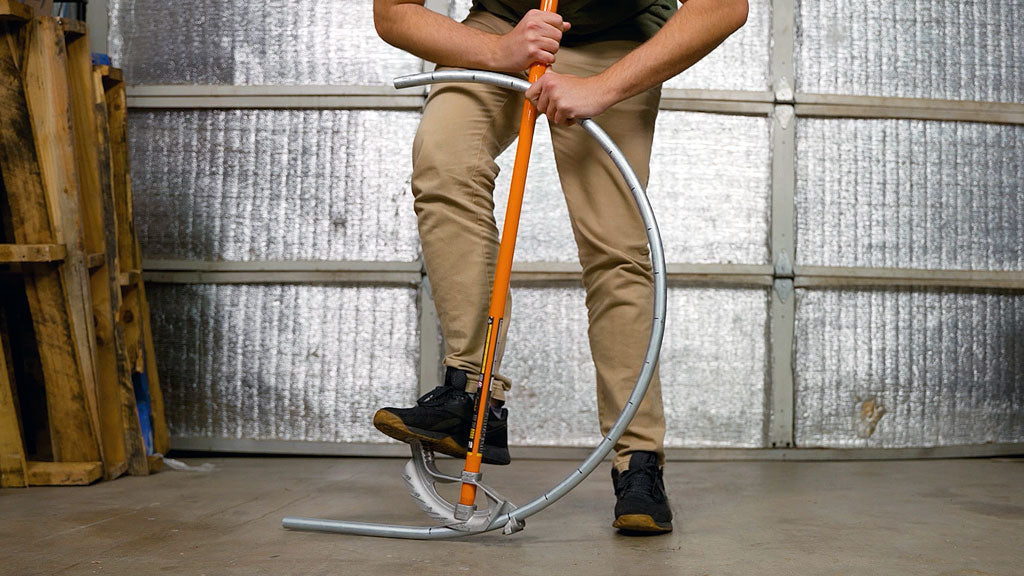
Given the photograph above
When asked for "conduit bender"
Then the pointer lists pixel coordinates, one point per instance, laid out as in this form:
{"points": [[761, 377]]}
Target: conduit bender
{"points": [[420, 473]]}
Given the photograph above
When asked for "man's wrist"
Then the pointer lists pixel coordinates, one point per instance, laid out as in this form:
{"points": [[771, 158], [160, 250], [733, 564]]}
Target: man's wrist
{"points": [[611, 87], [490, 52]]}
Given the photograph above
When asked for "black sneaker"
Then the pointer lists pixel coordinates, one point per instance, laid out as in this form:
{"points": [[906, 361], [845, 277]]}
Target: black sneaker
{"points": [[441, 421], [641, 504]]}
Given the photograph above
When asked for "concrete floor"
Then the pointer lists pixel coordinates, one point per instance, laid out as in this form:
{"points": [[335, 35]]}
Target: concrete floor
{"points": [[939, 517]]}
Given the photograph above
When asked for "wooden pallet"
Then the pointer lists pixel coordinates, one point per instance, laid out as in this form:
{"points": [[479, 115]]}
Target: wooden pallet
{"points": [[133, 317], [64, 165]]}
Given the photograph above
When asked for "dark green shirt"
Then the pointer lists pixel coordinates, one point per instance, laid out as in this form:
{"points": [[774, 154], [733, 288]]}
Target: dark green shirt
{"points": [[594, 20]]}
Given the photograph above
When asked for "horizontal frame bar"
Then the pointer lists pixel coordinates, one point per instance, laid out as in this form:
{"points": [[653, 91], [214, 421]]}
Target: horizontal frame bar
{"points": [[397, 450], [841, 106], [711, 274], [274, 97], [746, 103], [280, 266], [837, 277], [283, 277], [759, 103], [299, 271], [281, 272]]}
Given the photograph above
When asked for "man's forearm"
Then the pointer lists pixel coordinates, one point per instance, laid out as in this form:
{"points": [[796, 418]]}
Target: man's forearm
{"points": [[432, 36], [693, 32]]}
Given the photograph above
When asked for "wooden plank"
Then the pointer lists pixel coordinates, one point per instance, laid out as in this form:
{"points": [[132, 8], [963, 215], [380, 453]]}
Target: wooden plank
{"points": [[129, 260], [86, 152], [47, 91], [13, 10], [96, 260], [131, 362], [73, 29], [12, 253], [64, 473], [120, 177], [12, 449], [120, 398], [161, 441], [88, 113], [155, 463], [137, 306], [135, 447], [43, 191], [39, 7], [112, 75]]}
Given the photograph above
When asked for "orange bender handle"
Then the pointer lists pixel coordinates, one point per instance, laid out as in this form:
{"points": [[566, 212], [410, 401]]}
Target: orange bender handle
{"points": [[499, 292]]}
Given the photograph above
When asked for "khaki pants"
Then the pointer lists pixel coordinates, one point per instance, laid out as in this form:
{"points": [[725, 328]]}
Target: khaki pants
{"points": [[464, 128]]}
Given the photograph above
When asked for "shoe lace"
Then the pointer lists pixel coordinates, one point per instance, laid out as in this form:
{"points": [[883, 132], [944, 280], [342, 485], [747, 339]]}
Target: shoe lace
{"points": [[438, 396], [639, 482]]}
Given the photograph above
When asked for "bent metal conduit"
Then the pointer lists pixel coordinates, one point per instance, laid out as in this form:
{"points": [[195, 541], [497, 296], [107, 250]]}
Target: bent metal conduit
{"points": [[420, 472]]}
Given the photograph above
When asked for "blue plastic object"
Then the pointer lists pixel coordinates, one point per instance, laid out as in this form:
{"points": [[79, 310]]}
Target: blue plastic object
{"points": [[140, 383]]}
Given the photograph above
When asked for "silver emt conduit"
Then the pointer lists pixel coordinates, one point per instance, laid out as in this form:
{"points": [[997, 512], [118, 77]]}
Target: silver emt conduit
{"points": [[420, 472]]}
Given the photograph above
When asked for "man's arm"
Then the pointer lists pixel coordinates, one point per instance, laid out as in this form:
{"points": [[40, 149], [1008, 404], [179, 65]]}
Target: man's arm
{"points": [[408, 25], [693, 32]]}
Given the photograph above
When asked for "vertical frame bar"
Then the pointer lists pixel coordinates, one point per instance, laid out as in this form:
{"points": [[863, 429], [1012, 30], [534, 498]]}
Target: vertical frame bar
{"points": [[782, 66], [783, 229]]}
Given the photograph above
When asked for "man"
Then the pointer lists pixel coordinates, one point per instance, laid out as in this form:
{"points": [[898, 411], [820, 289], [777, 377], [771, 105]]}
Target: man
{"points": [[608, 60]]}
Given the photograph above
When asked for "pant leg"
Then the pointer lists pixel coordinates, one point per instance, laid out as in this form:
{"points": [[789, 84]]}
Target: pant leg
{"points": [[613, 248], [463, 129]]}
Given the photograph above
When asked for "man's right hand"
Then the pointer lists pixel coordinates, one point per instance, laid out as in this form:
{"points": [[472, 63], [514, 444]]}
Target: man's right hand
{"points": [[534, 39]]}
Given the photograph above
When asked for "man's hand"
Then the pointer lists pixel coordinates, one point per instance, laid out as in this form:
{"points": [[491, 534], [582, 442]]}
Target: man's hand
{"points": [[534, 39], [564, 98]]}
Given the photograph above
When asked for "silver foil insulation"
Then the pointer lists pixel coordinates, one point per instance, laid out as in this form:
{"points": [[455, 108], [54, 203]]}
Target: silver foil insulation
{"points": [[910, 194], [711, 208], [908, 368], [244, 185], [946, 50], [310, 42], [284, 362], [873, 368]]}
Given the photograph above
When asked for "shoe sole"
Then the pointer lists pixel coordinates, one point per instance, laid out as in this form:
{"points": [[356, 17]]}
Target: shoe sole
{"points": [[392, 426], [641, 523]]}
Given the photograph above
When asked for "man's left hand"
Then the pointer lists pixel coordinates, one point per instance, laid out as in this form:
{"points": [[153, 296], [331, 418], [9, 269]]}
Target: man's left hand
{"points": [[564, 98]]}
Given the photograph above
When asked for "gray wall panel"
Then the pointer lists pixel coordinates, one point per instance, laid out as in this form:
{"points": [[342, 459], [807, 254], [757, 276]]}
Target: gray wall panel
{"points": [[949, 50], [709, 187], [710, 184], [712, 368], [274, 184], [311, 363], [283, 362], [240, 43], [910, 194], [909, 368], [741, 62]]}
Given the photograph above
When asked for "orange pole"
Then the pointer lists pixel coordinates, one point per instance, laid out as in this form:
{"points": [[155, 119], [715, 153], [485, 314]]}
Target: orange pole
{"points": [[499, 292]]}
